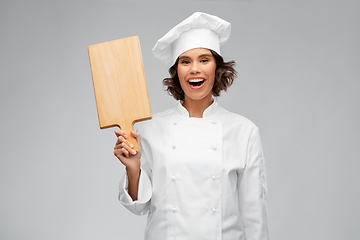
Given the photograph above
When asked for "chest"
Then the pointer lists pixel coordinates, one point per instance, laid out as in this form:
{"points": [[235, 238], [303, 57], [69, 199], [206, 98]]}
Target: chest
{"points": [[195, 143], [194, 148]]}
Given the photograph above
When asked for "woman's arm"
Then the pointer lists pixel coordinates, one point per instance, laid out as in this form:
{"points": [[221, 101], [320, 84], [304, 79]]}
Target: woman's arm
{"points": [[135, 187], [124, 152], [252, 191], [133, 181]]}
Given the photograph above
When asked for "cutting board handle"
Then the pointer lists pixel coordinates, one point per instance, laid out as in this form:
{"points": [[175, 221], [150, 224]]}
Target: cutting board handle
{"points": [[127, 129]]}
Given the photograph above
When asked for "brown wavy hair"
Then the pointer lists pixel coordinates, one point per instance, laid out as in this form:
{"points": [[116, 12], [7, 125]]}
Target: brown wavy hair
{"points": [[225, 75]]}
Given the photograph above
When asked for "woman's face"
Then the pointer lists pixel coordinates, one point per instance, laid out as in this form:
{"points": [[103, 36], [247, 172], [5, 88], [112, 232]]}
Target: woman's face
{"points": [[196, 72]]}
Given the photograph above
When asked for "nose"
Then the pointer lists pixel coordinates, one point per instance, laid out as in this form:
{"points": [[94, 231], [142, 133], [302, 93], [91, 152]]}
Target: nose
{"points": [[194, 68]]}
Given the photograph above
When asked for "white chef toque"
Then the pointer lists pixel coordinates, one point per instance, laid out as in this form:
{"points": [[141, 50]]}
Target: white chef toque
{"points": [[200, 30]]}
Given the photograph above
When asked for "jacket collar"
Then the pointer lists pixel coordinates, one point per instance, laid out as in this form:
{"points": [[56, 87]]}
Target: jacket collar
{"points": [[207, 112]]}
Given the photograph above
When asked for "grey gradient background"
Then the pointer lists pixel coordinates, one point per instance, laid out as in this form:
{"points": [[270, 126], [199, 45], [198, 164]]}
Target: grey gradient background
{"points": [[299, 74]]}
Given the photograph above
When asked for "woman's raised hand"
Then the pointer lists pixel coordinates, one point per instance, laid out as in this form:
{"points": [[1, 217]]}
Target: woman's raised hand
{"points": [[124, 151]]}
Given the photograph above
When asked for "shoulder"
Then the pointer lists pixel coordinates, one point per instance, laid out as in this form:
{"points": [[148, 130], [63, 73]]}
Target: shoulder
{"points": [[158, 121], [229, 118]]}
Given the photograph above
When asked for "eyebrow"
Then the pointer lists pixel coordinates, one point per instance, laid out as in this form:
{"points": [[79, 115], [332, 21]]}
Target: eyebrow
{"points": [[202, 55]]}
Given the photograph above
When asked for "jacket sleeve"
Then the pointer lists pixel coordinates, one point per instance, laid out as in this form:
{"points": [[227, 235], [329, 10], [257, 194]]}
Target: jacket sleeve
{"points": [[252, 191], [142, 205]]}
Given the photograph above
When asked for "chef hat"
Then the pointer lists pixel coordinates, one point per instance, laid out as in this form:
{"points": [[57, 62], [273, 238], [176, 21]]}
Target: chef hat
{"points": [[200, 30]]}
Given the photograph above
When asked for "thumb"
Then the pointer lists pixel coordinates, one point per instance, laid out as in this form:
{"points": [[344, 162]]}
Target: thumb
{"points": [[136, 135]]}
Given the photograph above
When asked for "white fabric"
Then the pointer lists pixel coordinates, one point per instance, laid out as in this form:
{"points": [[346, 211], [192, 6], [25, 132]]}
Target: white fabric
{"points": [[201, 178], [165, 46], [195, 38]]}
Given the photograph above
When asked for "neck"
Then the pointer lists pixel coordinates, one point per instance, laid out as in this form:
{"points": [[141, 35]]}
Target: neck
{"points": [[196, 107]]}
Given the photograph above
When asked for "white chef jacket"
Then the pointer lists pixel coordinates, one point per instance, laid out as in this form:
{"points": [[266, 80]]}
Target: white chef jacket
{"points": [[201, 178]]}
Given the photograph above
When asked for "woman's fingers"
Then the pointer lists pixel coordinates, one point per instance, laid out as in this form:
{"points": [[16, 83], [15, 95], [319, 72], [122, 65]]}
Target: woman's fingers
{"points": [[120, 132], [136, 135], [118, 152], [121, 139], [123, 145], [124, 151], [126, 145]]}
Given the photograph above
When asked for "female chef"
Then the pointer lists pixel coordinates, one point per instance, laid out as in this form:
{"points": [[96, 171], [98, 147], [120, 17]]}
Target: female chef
{"points": [[200, 173]]}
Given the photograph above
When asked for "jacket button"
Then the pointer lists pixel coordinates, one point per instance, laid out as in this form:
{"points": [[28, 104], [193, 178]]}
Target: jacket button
{"points": [[173, 209], [173, 146], [213, 147], [213, 178], [213, 210], [213, 122], [174, 123]]}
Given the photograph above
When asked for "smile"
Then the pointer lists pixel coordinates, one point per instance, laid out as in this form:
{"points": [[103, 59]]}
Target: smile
{"points": [[196, 83]]}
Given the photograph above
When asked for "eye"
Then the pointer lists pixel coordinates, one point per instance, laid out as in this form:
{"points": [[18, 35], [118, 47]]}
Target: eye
{"points": [[185, 62], [204, 60]]}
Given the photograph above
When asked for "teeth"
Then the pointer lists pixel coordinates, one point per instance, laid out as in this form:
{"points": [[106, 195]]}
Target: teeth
{"points": [[196, 80]]}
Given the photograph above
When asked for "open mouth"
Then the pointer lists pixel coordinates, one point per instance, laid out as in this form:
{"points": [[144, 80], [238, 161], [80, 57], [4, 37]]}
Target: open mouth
{"points": [[196, 83]]}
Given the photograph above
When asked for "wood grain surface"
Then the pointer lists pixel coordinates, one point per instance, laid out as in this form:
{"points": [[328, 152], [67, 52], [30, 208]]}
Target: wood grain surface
{"points": [[120, 87]]}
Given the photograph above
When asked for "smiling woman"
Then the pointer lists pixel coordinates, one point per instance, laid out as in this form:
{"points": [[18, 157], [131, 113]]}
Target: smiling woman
{"points": [[196, 72], [225, 75], [200, 172]]}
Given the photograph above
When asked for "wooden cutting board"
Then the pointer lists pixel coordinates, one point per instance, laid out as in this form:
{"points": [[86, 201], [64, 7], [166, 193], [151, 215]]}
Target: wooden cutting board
{"points": [[121, 93]]}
